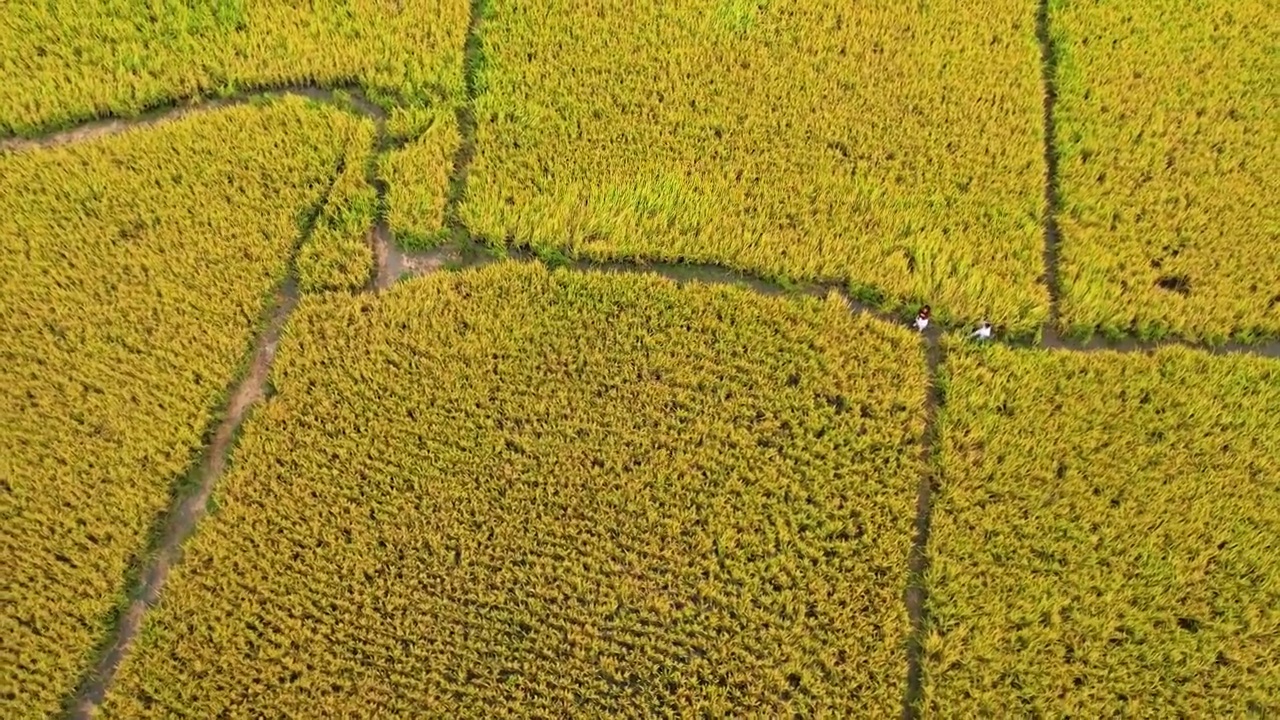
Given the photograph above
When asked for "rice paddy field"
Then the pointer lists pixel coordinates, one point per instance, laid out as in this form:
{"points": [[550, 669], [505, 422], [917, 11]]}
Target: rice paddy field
{"points": [[127, 316], [893, 147], [67, 61], [383, 358], [1129, 567], [1167, 129], [549, 493]]}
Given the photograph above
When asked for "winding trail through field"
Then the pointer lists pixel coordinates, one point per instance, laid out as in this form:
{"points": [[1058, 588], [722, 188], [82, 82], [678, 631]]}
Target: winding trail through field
{"points": [[467, 250], [914, 595], [1048, 75], [182, 519]]}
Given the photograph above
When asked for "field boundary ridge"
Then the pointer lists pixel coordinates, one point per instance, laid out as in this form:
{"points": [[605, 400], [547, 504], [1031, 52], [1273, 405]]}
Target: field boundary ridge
{"points": [[465, 250]]}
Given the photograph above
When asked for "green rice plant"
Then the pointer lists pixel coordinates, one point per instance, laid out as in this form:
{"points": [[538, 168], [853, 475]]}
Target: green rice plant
{"points": [[65, 61], [887, 144], [135, 270], [1166, 128], [517, 492], [1105, 536]]}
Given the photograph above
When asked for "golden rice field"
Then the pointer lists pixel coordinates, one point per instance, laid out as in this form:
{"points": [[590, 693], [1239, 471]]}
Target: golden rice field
{"points": [[1106, 537], [417, 176], [1167, 126], [895, 146], [336, 254], [135, 270], [510, 491], [65, 61]]}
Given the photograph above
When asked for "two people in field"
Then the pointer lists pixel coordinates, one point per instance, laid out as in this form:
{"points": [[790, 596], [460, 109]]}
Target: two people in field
{"points": [[922, 321]]}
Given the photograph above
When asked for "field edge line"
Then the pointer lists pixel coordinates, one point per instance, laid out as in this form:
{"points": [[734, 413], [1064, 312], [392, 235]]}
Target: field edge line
{"points": [[474, 252], [465, 117], [347, 97]]}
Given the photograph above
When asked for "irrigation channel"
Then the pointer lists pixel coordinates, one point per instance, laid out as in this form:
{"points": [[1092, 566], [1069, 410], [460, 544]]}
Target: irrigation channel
{"points": [[464, 250]]}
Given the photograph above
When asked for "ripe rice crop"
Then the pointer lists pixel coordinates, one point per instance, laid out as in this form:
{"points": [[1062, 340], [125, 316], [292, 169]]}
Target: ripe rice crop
{"points": [[417, 177], [336, 254], [64, 61], [135, 269], [898, 146], [1106, 538], [1167, 126], [514, 492]]}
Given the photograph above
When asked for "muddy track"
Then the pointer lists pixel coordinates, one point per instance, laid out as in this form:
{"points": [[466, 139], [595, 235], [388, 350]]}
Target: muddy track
{"points": [[683, 273], [379, 242], [394, 262], [350, 96], [915, 595], [474, 253], [466, 119], [179, 525]]}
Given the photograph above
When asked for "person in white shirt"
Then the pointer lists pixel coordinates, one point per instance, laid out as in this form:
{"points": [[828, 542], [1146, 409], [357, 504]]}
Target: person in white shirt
{"points": [[983, 332], [922, 319]]}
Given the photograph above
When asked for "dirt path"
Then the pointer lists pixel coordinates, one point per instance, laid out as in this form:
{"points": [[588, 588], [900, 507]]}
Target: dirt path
{"points": [[181, 523], [466, 119], [111, 126], [380, 242], [393, 262], [419, 262], [1130, 345], [915, 594], [183, 107], [1048, 78]]}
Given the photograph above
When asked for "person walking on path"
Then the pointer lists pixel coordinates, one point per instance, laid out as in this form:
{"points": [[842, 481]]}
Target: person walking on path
{"points": [[922, 319], [983, 332]]}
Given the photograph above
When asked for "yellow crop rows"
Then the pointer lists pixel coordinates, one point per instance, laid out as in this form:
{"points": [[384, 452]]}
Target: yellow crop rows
{"points": [[417, 177], [514, 492], [336, 254], [69, 60], [1106, 537], [898, 146], [133, 272], [1167, 126]]}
